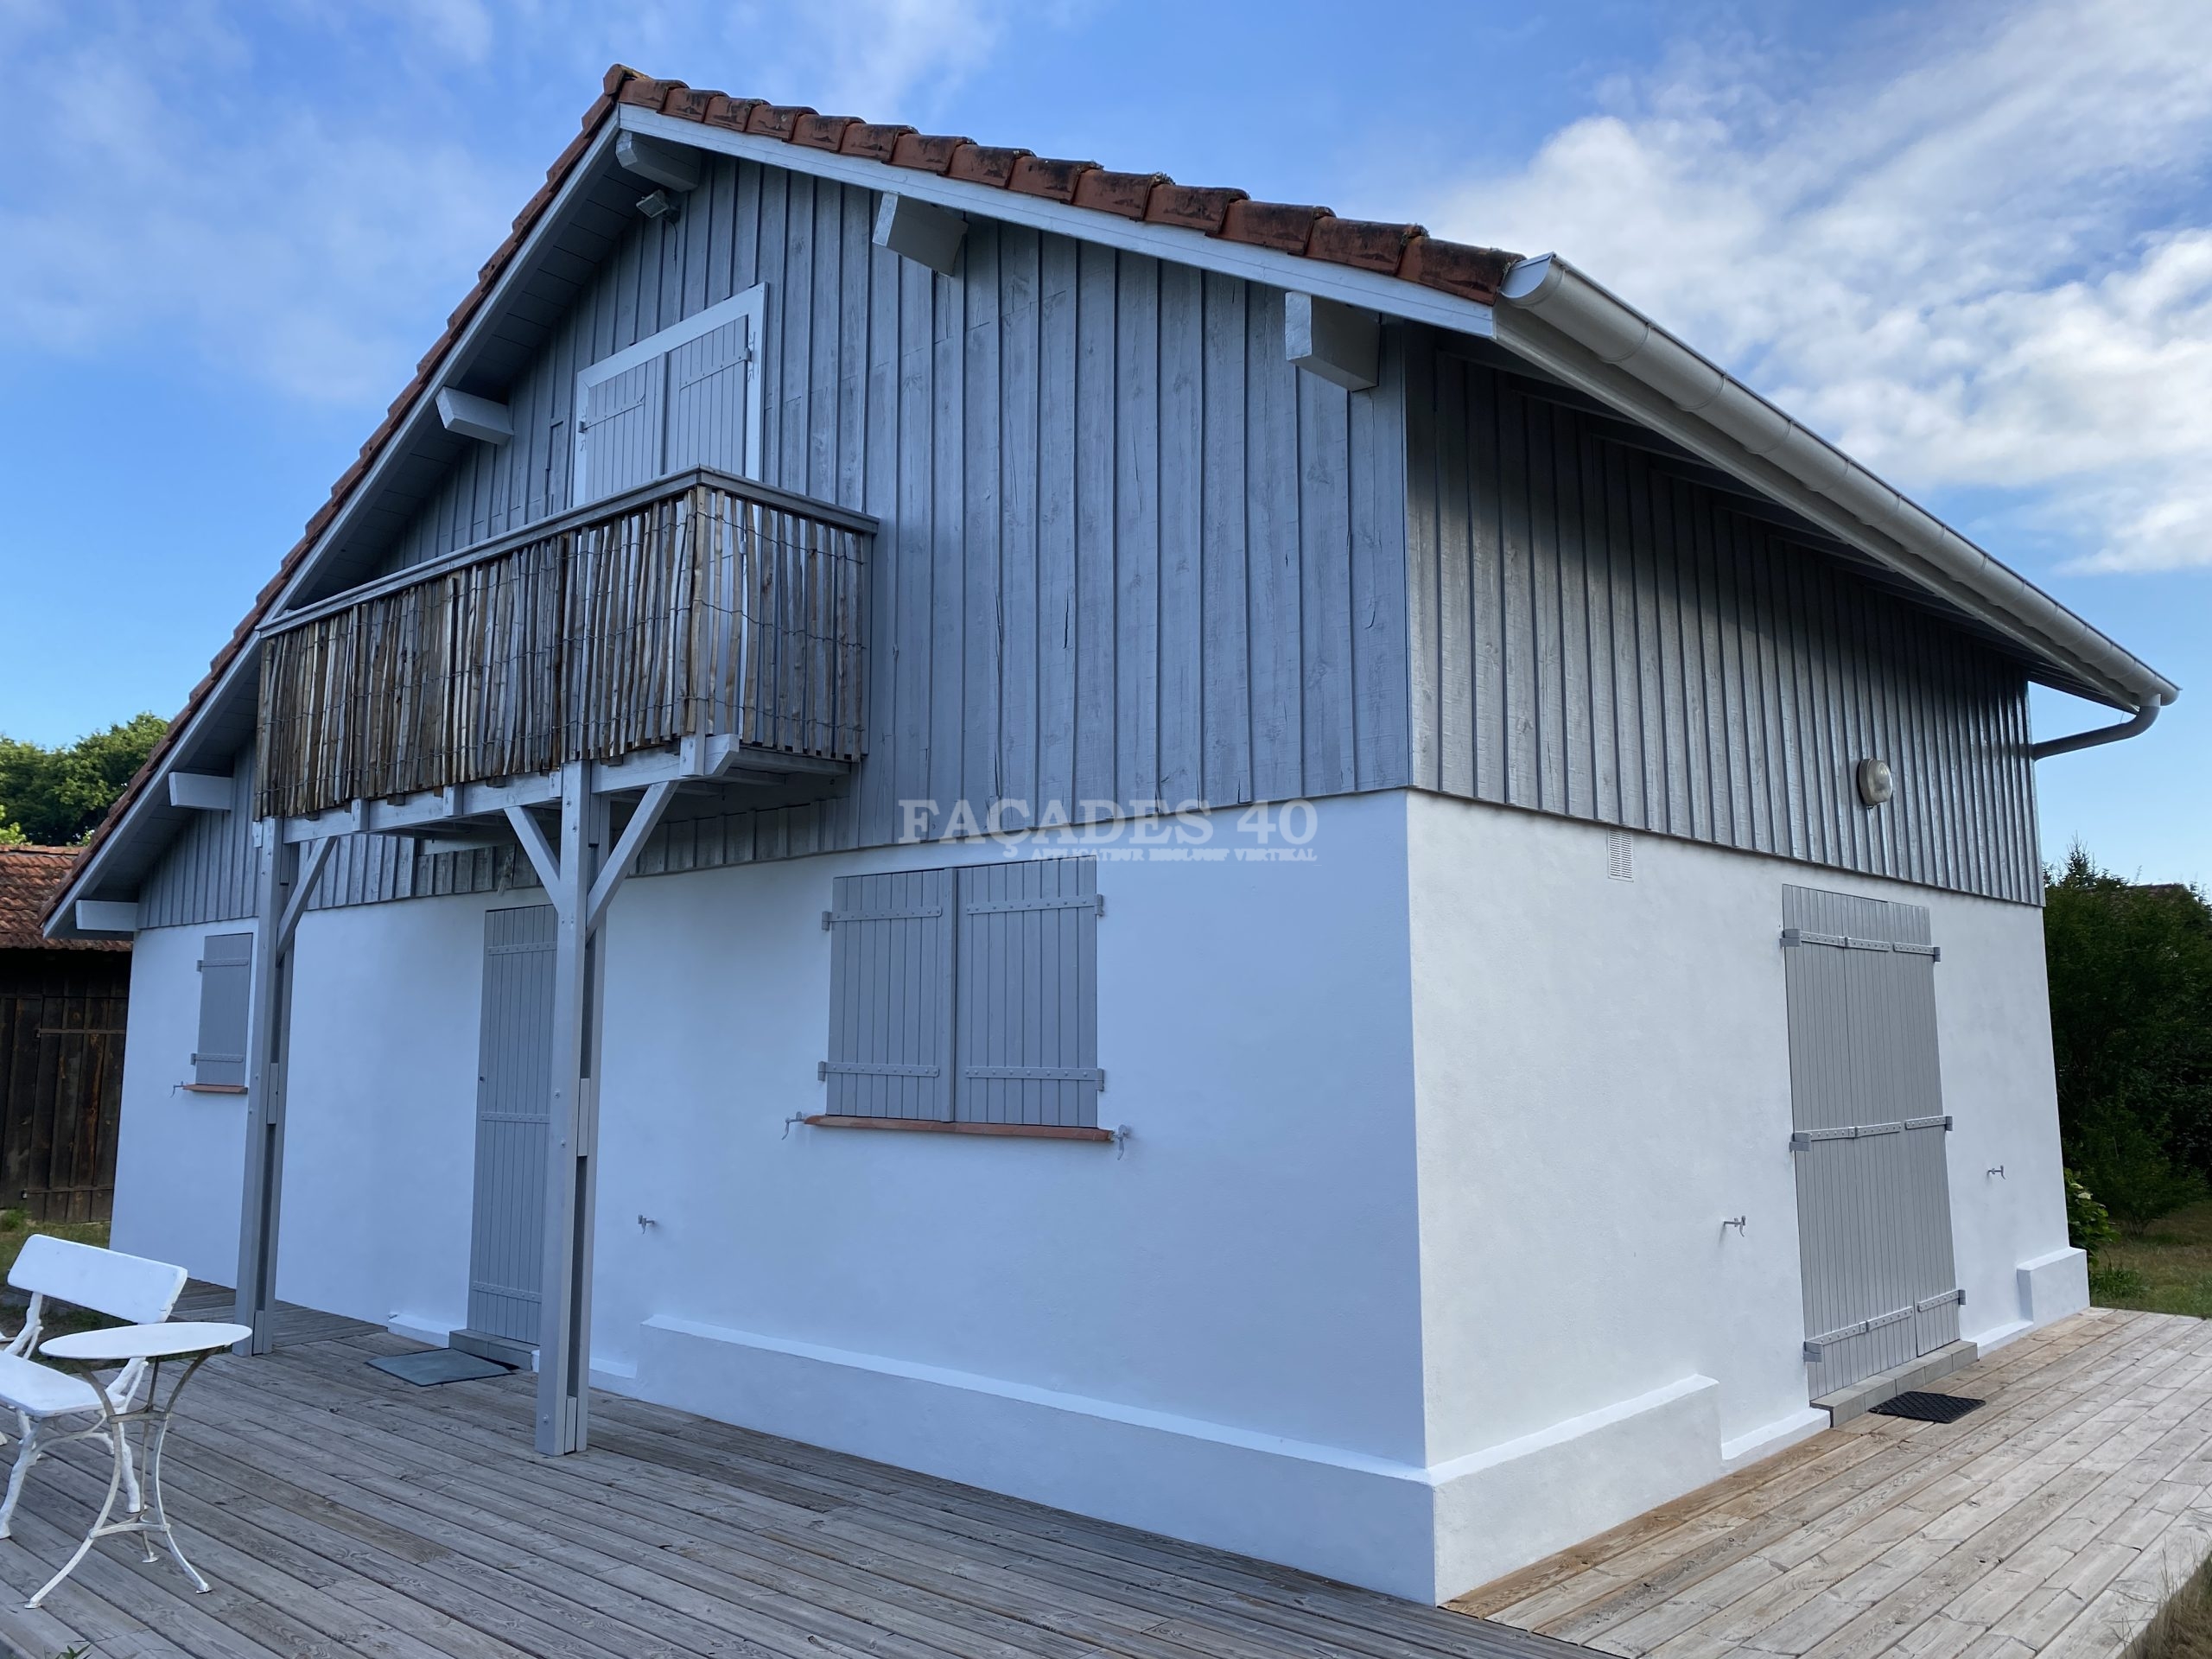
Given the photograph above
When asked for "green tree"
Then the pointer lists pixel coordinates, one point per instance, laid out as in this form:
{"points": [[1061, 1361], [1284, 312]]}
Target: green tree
{"points": [[54, 797], [2131, 1015]]}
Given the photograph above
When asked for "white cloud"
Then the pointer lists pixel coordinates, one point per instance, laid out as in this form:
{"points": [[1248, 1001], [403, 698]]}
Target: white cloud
{"points": [[1991, 269], [298, 195]]}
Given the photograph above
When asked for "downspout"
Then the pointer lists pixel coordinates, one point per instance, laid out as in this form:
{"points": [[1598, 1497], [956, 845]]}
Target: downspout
{"points": [[2099, 734]]}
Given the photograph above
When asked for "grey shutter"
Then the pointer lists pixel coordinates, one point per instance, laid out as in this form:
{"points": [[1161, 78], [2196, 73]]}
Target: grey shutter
{"points": [[618, 431], [708, 412], [514, 1098], [1029, 991], [1874, 1194], [891, 991], [226, 983]]}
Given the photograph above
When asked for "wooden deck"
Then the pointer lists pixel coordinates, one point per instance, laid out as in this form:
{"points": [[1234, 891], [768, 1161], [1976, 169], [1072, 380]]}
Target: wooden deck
{"points": [[339, 1510], [2053, 1521]]}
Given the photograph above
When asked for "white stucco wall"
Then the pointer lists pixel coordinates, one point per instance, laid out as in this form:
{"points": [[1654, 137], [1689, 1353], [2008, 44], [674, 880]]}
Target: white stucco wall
{"points": [[1214, 1333], [181, 1161], [380, 1135], [1411, 1270], [1602, 1076]]}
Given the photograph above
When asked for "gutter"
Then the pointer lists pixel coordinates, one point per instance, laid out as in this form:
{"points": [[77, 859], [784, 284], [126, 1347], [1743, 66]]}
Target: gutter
{"points": [[1574, 327]]}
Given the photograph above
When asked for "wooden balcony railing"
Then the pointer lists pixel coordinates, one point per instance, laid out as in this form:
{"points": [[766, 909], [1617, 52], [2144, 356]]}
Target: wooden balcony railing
{"points": [[703, 605]]}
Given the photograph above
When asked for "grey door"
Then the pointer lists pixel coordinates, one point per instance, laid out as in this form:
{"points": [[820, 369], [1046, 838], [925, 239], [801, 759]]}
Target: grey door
{"points": [[1867, 1105], [514, 1087]]}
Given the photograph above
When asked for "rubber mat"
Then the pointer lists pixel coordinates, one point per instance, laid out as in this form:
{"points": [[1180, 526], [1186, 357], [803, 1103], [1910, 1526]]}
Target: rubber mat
{"points": [[1927, 1408], [435, 1365]]}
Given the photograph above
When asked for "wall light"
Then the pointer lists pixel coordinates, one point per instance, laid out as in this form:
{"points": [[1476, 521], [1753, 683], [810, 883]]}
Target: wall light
{"points": [[1875, 784]]}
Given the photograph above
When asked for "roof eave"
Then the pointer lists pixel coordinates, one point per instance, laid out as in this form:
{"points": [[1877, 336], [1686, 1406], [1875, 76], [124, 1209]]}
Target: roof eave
{"points": [[1375, 291], [1559, 319], [411, 417]]}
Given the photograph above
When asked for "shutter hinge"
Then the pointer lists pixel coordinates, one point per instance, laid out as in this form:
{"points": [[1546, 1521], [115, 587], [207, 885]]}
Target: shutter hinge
{"points": [[821, 1067], [1102, 911], [825, 921]]}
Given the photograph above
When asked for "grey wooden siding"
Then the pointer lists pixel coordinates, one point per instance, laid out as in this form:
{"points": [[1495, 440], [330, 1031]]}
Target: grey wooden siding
{"points": [[1596, 637], [1128, 553], [206, 874]]}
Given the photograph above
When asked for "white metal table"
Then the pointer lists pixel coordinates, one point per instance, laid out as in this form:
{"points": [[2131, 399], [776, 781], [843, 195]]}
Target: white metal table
{"points": [[90, 1350]]}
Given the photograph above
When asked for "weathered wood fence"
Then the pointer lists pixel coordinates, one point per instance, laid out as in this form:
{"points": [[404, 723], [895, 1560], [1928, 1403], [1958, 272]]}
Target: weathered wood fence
{"points": [[61, 1029], [703, 605]]}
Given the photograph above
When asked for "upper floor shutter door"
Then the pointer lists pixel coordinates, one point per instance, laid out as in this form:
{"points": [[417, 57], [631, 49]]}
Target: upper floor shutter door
{"points": [[709, 405], [688, 395], [619, 425]]}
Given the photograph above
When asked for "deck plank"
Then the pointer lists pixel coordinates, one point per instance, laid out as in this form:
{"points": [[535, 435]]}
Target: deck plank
{"points": [[2054, 1519], [339, 1510]]}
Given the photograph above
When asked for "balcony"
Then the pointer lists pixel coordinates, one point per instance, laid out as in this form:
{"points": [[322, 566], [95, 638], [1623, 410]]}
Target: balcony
{"points": [[702, 606]]}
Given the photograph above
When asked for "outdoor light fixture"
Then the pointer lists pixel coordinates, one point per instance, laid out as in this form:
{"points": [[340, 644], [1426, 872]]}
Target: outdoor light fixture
{"points": [[1875, 784], [660, 205]]}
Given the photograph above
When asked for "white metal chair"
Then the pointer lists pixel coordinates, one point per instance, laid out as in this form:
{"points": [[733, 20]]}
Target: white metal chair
{"points": [[48, 1402]]}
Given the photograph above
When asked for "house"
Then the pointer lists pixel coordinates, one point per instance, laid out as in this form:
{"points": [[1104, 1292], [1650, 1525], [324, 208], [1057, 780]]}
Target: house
{"points": [[1452, 896], [61, 1021]]}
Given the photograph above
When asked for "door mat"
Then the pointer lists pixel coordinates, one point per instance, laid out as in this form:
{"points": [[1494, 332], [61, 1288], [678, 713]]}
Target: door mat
{"points": [[1928, 1407], [435, 1365]]}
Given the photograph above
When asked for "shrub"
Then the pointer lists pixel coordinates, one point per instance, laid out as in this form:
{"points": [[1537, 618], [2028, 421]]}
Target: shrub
{"points": [[2088, 1223]]}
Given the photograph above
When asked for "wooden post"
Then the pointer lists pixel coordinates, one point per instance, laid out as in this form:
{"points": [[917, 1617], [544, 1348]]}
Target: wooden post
{"points": [[282, 884], [564, 1333], [581, 877]]}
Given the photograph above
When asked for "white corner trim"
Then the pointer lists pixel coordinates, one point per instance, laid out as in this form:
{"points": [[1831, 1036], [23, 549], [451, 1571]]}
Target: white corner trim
{"points": [[1185, 247]]}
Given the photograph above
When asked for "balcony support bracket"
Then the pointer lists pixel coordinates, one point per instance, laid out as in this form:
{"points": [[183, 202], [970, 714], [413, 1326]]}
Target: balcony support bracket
{"points": [[582, 873]]}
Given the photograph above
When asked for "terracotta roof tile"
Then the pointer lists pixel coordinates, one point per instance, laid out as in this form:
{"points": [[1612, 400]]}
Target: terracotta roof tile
{"points": [[31, 877], [1365, 243], [1191, 207], [980, 164], [1455, 268], [1401, 250], [926, 152], [873, 140], [1125, 193], [1034, 176], [776, 120], [821, 131], [1276, 224], [723, 110]]}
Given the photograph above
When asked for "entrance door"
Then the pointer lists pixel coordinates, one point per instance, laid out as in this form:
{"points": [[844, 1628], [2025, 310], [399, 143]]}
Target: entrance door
{"points": [[1867, 1104], [514, 1084]]}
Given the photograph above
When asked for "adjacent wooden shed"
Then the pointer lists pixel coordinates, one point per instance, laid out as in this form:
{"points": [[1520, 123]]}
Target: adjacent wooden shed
{"points": [[61, 1021]]}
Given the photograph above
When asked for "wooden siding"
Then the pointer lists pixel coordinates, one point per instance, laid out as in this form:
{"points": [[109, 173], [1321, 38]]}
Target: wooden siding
{"points": [[206, 874], [61, 1031], [1596, 637], [1129, 552]]}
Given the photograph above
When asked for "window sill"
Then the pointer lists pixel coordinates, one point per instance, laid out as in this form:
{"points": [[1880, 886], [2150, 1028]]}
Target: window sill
{"points": [[931, 1125], [213, 1088]]}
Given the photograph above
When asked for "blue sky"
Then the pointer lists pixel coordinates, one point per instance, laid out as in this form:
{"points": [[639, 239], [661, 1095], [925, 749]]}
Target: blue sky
{"points": [[1972, 244]]}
